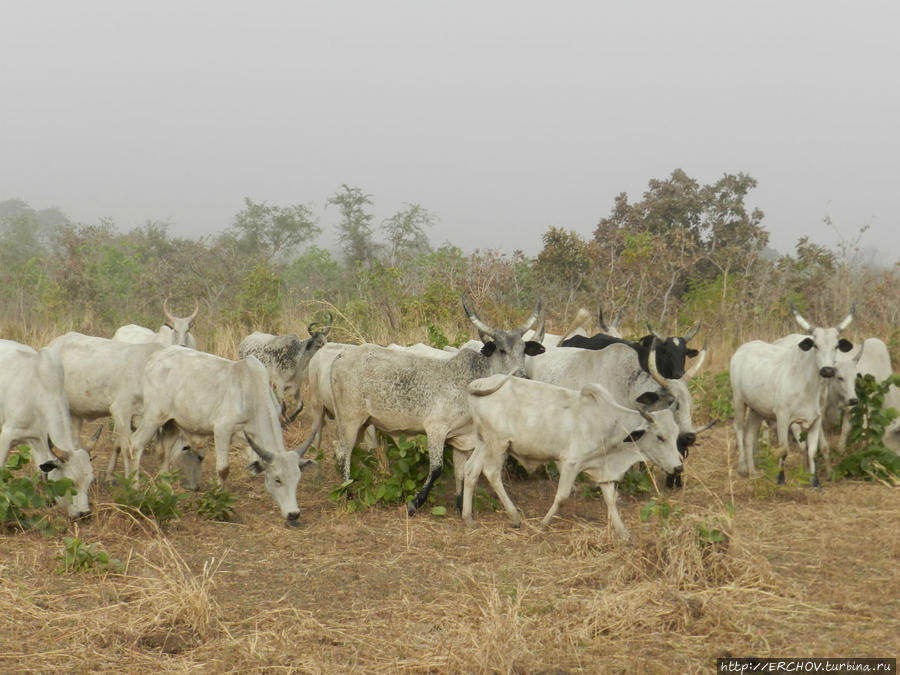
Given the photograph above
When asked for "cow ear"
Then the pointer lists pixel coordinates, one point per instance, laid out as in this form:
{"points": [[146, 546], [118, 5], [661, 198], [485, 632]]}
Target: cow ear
{"points": [[533, 348], [255, 468], [168, 324], [634, 436], [488, 348], [807, 344], [691, 353], [845, 345], [305, 463], [648, 398], [47, 467]]}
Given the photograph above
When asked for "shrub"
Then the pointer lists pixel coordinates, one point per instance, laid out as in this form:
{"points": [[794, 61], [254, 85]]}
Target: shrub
{"points": [[215, 503], [869, 419], [154, 498], [712, 395], [408, 469], [22, 496], [76, 556]]}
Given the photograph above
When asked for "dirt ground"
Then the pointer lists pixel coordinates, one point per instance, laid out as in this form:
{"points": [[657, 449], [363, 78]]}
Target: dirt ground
{"points": [[799, 572]]}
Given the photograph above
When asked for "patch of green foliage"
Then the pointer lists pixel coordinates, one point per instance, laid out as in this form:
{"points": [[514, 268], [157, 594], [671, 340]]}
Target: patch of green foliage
{"points": [[870, 459], [21, 497], [215, 503], [438, 340], [635, 481], [369, 485], [154, 497], [711, 394], [76, 556], [663, 509]]}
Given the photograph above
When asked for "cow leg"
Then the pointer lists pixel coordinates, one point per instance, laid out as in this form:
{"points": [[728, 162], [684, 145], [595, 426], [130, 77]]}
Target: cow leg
{"points": [[493, 472], [744, 466], [782, 428], [471, 472], [7, 437], [825, 448], [150, 423], [459, 473], [812, 447], [436, 439], [751, 426], [222, 439], [609, 497], [845, 432], [568, 472]]}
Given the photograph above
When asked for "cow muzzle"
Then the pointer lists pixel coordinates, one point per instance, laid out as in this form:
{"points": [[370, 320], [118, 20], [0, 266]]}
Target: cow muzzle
{"points": [[852, 402], [293, 519], [827, 371]]}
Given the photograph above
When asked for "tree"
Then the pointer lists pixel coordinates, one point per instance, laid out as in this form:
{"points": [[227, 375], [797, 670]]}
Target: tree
{"points": [[405, 233], [267, 232], [563, 264], [355, 228]]}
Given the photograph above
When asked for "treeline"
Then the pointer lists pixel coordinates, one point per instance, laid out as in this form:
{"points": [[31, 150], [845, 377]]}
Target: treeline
{"points": [[683, 252]]}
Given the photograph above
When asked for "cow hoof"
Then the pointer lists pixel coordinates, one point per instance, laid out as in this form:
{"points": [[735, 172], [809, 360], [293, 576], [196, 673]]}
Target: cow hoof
{"points": [[780, 479], [516, 525], [410, 509], [815, 482]]}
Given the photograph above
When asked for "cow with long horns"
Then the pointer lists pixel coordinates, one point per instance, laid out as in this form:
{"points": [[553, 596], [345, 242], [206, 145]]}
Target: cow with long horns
{"points": [[175, 331], [400, 392]]}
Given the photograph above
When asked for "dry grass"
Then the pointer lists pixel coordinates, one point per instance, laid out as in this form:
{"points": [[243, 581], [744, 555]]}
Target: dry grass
{"points": [[800, 572]]}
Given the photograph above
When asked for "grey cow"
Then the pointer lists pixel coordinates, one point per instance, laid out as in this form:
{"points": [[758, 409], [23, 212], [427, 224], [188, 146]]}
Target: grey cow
{"points": [[286, 358], [401, 392]]}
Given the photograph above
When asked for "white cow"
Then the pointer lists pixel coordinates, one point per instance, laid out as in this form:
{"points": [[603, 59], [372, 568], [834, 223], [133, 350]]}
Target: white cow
{"points": [[175, 331], [784, 384], [580, 431], [617, 369], [206, 395], [103, 379], [34, 410]]}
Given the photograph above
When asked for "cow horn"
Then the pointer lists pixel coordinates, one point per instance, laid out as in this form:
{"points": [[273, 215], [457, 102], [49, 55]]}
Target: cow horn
{"points": [[651, 366], [692, 332], [531, 319], [196, 309], [541, 329], [92, 441], [647, 416], [166, 310], [601, 322], [59, 453], [654, 333], [330, 324], [847, 321], [803, 323], [482, 327], [615, 323], [692, 373], [264, 455], [705, 427]]}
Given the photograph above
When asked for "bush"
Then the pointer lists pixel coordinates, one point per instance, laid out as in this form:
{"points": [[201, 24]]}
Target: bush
{"points": [[215, 503], [712, 395], [154, 498], [869, 419], [78, 557], [22, 496], [408, 469]]}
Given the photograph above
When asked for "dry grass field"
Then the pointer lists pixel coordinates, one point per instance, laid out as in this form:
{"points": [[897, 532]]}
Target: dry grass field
{"points": [[801, 572]]}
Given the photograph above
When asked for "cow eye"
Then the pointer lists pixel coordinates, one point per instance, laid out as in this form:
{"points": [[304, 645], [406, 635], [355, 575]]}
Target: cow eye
{"points": [[659, 438], [277, 481]]}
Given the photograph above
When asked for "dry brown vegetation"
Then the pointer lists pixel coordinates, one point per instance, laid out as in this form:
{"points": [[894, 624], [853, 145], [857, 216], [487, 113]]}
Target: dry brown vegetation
{"points": [[801, 572]]}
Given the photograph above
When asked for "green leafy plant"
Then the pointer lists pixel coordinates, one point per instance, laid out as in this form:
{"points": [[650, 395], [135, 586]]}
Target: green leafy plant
{"points": [[709, 534], [215, 503], [369, 485], [635, 481], [154, 497], [438, 340], [21, 497], [76, 556], [869, 419], [711, 394], [662, 509]]}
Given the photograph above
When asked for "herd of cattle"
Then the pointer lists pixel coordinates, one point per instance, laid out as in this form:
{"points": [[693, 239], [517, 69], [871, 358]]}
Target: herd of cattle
{"points": [[595, 404]]}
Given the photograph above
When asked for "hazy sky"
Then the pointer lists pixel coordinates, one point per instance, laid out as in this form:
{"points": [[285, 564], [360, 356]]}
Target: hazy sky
{"points": [[500, 117]]}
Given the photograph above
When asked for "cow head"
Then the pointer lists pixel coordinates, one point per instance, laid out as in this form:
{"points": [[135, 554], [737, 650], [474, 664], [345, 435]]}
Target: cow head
{"points": [[180, 326], [825, 341], [658, 440], [177, 450], [845, 374], [671, 352], [282, 473], [76, 466], [505, 348]]}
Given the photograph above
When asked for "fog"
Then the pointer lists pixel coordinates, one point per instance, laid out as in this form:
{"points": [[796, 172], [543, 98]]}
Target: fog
{"points": [[501, 118]]}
